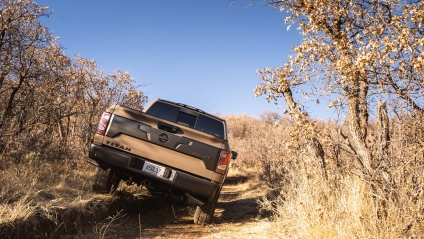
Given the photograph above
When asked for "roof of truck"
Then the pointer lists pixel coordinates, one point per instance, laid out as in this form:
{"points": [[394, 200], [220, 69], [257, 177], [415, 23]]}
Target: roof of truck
{"points": [[187, 107]]}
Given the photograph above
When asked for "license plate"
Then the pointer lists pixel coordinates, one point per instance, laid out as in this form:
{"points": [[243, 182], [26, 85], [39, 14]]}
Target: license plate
{"points": [[158, 171]]}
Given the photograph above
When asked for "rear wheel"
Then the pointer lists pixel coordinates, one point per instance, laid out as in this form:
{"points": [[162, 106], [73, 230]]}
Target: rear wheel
{"points": [[204, 213], [105, 181]]}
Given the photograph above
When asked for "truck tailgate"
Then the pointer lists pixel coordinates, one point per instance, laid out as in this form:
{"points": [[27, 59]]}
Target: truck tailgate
{"points": [[174, 149]]}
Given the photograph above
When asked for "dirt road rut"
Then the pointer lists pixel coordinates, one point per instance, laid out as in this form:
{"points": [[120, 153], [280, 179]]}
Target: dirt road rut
{"points": [[151, 217]]}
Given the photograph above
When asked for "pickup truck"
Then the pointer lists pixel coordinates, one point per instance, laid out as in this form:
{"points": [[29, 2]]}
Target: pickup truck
{"points": [[169, 148]]}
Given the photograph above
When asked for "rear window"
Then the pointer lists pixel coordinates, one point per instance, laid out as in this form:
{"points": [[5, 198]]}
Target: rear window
{"points": [[210, 126], [187, 118]]}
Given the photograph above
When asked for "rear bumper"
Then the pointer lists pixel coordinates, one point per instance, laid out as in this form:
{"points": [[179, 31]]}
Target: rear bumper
{"points": [[132, 165]]}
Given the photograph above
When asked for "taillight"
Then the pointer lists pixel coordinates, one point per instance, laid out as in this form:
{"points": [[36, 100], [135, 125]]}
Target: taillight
{"points": [[101, 128], [224, 160]]}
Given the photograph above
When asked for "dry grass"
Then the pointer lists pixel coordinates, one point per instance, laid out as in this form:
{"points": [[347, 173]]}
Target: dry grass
{"points": [[52, 198], [305, 205], [41, 198], [313, 210]]}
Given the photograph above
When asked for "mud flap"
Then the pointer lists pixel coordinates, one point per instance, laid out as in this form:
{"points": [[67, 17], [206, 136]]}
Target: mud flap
{"points": [[195, 199]]}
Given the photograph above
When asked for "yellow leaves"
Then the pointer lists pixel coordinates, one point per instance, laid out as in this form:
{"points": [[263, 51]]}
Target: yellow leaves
{"points": [[308, 78], [420, 42], [364, 45], [378, 30], [359, 38], [418, 63], [332, 104]]}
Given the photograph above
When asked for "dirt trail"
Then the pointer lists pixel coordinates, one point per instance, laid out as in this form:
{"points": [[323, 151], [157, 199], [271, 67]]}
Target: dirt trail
{"points": [[236, 212], [236, 206]]}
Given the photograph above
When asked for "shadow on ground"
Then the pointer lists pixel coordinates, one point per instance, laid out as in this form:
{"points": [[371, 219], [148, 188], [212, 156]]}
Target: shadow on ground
{"points": [[236, 180], [132, 215]]}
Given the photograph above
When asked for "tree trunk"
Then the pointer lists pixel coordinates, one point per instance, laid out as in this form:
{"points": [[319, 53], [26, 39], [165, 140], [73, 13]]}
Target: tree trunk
{"points": [[356, 109], [313, 145], [383, 141]]}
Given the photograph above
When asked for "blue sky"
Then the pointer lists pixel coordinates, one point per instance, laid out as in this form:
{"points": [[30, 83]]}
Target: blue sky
{"points": [[196, 52]]}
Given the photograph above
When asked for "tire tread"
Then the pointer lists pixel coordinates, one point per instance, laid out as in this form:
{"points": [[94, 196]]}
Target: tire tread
{"points": [[104, 181], [204, 213]]}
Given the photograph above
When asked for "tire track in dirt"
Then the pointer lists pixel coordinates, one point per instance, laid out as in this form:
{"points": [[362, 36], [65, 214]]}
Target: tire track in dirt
{"points": [[237, 205]]}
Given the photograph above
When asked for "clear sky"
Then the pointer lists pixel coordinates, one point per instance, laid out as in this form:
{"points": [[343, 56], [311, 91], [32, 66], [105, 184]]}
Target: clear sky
{"points": [[196, 52]]}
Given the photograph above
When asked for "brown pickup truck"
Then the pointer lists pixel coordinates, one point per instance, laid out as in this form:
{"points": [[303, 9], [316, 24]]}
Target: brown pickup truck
{"points": [[170, 148]]}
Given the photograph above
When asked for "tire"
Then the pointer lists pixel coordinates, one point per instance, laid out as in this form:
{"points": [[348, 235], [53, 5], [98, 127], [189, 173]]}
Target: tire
{"points": [[204, 213], [105, 181]]}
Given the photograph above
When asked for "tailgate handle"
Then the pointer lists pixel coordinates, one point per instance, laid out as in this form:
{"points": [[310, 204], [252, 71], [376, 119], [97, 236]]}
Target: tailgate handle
{"points": [[168, 127]]}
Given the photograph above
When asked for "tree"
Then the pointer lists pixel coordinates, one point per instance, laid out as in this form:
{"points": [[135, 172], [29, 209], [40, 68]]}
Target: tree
{"points": [[24, 45], [46, 97], [358, 51]]}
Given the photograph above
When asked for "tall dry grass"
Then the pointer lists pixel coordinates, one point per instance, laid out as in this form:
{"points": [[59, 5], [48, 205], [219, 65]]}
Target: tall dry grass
{"points": [[41, 196], [259, 143], [346, 205]]}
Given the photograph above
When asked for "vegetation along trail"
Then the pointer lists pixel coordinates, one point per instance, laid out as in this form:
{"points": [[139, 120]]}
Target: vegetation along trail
{"points": [[237, 215], [359, 175]]}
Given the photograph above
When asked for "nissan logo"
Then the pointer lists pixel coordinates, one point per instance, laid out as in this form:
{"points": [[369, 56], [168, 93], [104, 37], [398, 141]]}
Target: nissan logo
{"points": [[163, 138]]}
